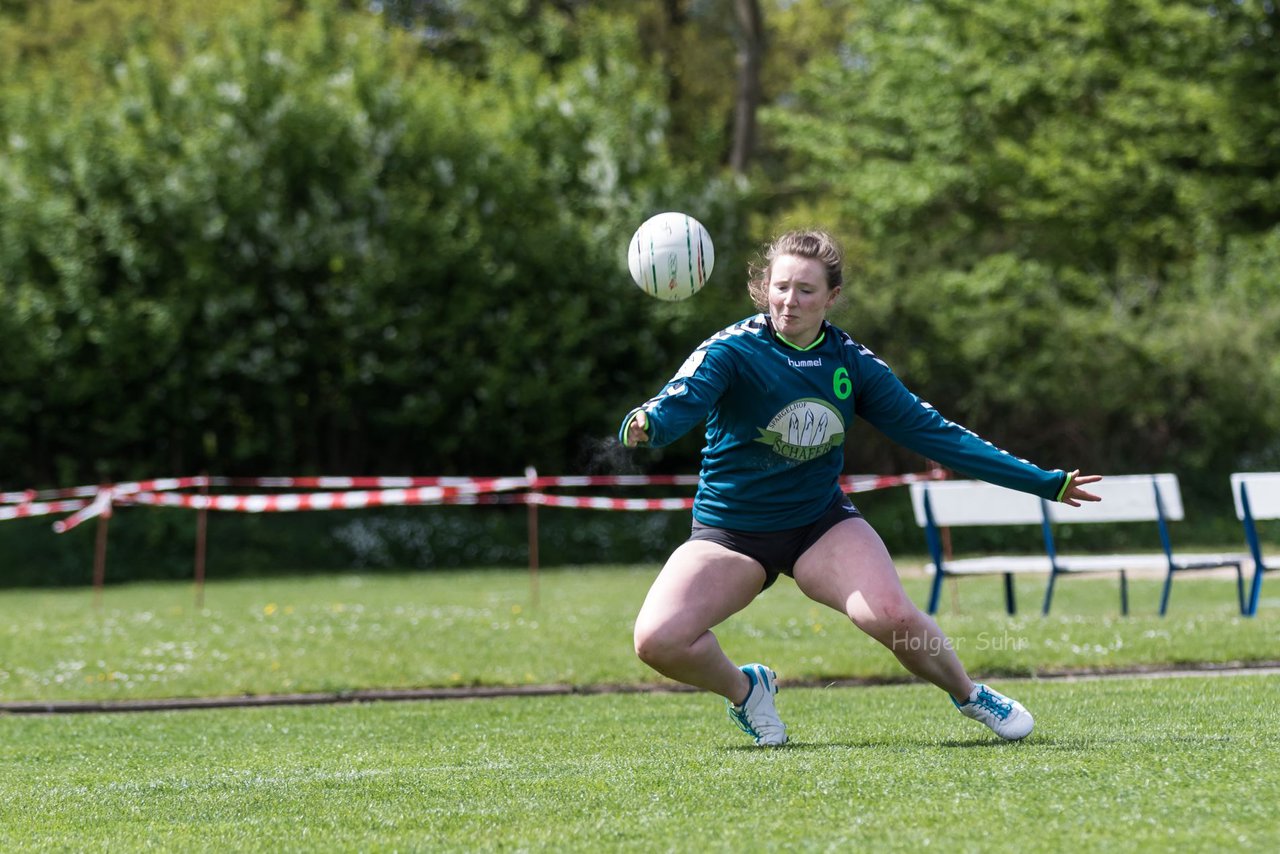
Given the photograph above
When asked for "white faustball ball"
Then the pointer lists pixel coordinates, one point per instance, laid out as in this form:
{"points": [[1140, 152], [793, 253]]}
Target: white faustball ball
{"points": [[671, 256]]}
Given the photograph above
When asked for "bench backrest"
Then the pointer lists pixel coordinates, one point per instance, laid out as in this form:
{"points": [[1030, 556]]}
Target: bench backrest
{"points": [[1263, 490], [973, 502], [1125, 498]]}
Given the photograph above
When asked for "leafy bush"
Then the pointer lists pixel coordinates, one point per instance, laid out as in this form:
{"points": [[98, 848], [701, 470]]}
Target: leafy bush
{"points": [[297, 243]]}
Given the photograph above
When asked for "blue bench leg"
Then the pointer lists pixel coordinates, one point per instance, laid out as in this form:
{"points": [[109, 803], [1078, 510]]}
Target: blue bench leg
{"points": [[1009, 604], [1244, 606], [1124, 594], [1048, 593], [1254, 590], [1164, 595], [935, 592]]}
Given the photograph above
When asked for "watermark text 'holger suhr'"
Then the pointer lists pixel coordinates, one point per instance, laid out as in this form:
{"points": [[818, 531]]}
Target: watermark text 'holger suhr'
{"points": [[984, 641]]}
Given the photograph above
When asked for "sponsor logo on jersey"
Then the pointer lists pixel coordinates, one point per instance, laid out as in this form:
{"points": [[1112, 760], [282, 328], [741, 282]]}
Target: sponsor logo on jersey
{"points": [[804, 430], [804, 363]]}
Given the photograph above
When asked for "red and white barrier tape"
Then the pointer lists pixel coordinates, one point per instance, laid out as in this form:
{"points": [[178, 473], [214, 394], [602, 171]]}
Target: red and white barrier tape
{"points": [[544, 500], [293, 503], [615, 480], [347, 500], [162, 484], [157, 484], [850, 484], [326, 482], [338, 482], [100, 506], [29, 496], [40, 508], [534, 482], [390, 492], [170, 484], [871, 482]]}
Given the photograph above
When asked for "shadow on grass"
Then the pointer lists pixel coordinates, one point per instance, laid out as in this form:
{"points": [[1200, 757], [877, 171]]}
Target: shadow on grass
{"points": [[1080, 744], [869, 744], [1074, 744]]}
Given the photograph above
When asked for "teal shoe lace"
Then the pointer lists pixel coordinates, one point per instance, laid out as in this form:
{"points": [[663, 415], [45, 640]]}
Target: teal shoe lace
{"points": [[992, 703]]}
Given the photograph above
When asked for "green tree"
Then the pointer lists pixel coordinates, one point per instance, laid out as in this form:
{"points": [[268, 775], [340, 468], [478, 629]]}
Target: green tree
{"points": [[294, 242], [1046, 203]]}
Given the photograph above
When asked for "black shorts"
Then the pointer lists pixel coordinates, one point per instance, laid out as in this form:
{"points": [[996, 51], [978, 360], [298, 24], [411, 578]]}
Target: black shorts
{"points": [[777, 551]]}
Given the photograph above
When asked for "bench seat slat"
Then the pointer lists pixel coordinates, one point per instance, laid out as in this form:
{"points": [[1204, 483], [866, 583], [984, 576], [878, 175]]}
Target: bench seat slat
{"points": [[1116, 562], [1000, 564], [995, 565]]}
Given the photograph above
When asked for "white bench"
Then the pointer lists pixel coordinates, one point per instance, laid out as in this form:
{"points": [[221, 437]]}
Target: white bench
{"points": [[973, 503], [1125, 498], [1138, 498], [1257, 496]]}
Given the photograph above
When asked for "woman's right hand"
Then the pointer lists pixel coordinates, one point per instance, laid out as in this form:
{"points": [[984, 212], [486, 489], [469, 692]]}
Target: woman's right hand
{"points": [[637, 432]]}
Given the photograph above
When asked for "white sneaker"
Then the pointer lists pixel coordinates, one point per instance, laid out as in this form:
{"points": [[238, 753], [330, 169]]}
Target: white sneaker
{"points": [[757, 716], [1005, 715]]}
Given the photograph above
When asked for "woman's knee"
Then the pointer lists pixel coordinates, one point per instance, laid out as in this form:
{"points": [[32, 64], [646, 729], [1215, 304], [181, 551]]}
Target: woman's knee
{"points": [[657, 644], [888, 619]]}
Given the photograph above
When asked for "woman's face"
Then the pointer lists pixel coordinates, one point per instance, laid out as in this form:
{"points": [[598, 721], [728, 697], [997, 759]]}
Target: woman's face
{"points": [[799, 297]]}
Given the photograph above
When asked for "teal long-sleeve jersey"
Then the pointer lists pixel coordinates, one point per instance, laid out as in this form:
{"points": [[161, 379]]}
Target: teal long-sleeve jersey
{"points": [[777, 417]]}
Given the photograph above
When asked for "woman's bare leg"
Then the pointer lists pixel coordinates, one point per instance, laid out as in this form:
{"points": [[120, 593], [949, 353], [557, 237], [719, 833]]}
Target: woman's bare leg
{"points": [[850, 570], [701, 585]]}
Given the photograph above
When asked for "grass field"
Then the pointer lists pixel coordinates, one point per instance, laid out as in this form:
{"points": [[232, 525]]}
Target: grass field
{"points": [[1132, 764], [339, 633]]}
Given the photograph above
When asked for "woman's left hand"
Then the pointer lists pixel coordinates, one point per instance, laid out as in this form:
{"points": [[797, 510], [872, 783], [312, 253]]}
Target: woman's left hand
{"points": [[1074, 494]]}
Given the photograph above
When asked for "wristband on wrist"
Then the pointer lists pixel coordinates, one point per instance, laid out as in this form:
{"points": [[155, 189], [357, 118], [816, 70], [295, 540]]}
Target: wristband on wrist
{"points": [[1066, 484], [626, 428]]}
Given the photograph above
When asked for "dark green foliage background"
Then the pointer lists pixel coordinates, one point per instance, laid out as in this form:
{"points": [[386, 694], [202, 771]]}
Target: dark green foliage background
{"points": [[261, 238]]}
